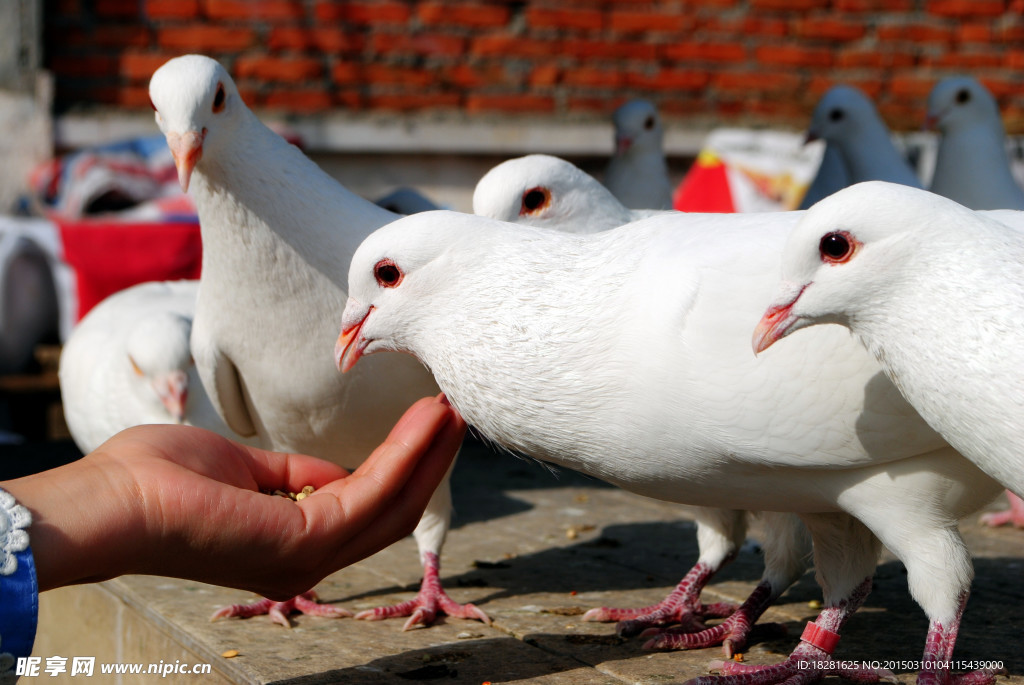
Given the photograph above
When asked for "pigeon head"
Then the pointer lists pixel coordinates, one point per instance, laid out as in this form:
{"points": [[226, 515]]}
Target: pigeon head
{"points": [[842, 258], [841, 115], [160, 357], [195, 100], [392, 275], [637, 128], [545, 191], [960, 102]]}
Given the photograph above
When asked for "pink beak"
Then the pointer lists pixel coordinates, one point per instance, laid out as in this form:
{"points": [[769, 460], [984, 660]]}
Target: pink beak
{"points": [[351, 344], [622, 144], [187, 150], [172, 389], [778, 319]]}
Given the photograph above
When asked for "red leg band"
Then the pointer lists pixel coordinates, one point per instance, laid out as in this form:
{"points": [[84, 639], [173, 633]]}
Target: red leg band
{"points": [[822, 638]]}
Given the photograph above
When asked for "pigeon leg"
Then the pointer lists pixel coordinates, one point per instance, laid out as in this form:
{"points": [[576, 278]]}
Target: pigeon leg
{"points": [[732, 633], [787, 545], [431, 599], [938, 656], [720, 533], [811, 660], [306, 603], [1014, 515], [682, 606]]}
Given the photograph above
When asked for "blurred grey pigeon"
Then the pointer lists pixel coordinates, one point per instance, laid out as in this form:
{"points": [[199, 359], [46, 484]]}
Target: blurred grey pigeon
{"points": [[972, 166], [847, 119], [637, 173], [830, 177], [406, 201]]}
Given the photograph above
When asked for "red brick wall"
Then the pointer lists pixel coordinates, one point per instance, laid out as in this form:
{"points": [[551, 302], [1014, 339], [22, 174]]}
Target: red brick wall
{"points": [[704, 62]]}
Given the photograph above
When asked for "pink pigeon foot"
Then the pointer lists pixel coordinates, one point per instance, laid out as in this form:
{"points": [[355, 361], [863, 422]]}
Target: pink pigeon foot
{"points": [[306, 603], [938, 653], [1014, 515], [431, 599], [732, 633], [811, 661], [682, 606]]}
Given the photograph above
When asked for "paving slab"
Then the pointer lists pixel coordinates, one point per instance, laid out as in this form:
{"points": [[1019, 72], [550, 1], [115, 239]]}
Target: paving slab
{"points": [[534, 549]]}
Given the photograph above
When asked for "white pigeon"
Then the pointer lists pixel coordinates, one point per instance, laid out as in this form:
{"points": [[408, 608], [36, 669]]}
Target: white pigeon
{"points": [[546, 191], [128, 363], [637, 173], [846, 119], [936, 292], [625, 355], [830, 177], [276, 233], [972, 166]]}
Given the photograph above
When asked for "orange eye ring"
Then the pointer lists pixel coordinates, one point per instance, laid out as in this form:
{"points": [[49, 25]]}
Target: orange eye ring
{"points": [[534, 201]]}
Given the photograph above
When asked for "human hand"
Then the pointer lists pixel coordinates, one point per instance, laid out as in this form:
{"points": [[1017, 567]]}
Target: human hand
{"points": [[184, 502]]}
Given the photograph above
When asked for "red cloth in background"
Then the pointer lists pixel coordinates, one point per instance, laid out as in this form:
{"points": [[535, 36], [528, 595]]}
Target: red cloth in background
{"points": [[109, 256], [705, 188]]}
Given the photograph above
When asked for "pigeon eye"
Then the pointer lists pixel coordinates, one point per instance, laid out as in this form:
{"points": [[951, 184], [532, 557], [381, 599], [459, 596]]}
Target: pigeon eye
{"points": [[837, 247], [387, 273], [649, 123], [218, 99], [534, 200], [963, 96], [836, 115]]}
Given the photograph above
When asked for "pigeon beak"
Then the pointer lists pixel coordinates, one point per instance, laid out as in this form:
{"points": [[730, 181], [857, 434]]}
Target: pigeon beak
{"points": [[776, 323], [811, 137], [622, 144], [351, 343], [930, 122], [172, 389], [187, 150]]}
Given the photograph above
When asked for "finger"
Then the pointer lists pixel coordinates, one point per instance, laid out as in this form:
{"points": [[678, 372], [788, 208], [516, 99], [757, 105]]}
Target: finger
{"points": [[399, 517], [292, 472], [289, 472], [342, 509]]}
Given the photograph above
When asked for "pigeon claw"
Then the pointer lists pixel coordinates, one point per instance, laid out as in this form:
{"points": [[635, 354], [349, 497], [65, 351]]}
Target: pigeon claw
{"points": [[306, 604]]}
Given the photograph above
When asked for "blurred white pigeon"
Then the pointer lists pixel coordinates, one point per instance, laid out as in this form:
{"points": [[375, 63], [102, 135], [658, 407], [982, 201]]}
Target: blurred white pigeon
{"points": [[624, 354], [936, 292], [972, 166], [637, 173], [128, 363], [846, 119], [830, 177], [277, 232], [540, 190]]}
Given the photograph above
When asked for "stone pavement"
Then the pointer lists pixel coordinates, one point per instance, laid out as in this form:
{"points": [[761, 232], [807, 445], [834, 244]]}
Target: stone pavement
{"points": [[533, 550]]}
